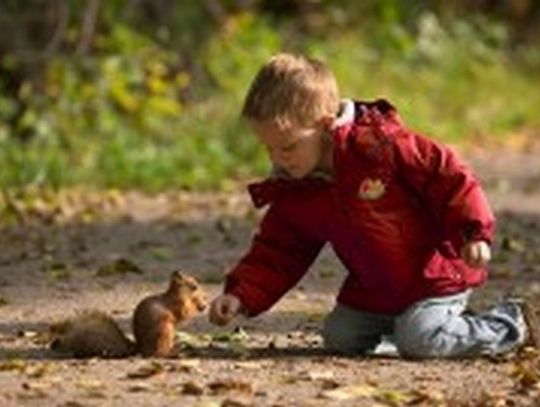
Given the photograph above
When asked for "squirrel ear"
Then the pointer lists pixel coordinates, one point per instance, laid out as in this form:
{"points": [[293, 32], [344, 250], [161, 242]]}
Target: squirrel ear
{"points": [[177, 274]]}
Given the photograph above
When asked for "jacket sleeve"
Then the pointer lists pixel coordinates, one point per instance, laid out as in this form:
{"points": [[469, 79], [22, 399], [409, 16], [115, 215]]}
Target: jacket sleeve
{"points": [[279, 256], [444, 183]]}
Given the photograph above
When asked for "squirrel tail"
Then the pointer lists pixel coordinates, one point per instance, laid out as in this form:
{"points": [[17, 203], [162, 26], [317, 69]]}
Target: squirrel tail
{"points": [[91, 334]]}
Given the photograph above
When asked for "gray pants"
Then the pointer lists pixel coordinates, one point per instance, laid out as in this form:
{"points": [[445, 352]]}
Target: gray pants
{"points": [[434, 327]]}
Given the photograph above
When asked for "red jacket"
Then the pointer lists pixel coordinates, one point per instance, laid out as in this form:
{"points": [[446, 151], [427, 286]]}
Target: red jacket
{"points": [[397, 211]]}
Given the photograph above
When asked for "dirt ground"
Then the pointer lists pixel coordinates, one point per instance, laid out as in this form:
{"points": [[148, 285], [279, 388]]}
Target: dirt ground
{"points": [[59, 255]]}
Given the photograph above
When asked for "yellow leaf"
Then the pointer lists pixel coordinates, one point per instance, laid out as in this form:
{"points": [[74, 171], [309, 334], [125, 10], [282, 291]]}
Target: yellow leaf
{"points": [[350, 392], [146, 371]]}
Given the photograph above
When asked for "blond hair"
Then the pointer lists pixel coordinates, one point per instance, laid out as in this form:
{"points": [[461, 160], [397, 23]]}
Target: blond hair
{"points": [[292, 89]]}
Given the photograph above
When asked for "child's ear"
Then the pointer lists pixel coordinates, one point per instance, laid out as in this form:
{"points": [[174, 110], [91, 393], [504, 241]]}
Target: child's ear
{"points": [[326, 122]]}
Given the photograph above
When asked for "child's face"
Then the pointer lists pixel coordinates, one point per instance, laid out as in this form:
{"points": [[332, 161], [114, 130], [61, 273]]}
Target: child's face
{"points": [[297, 150]]}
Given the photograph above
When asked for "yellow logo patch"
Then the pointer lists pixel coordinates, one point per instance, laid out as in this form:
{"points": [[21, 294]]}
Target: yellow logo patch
{"points": [[371, 189]]}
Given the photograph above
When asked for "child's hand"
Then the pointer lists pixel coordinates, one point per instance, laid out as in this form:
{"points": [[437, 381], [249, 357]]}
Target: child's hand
{"points": [[224, 308], [476, 254]]}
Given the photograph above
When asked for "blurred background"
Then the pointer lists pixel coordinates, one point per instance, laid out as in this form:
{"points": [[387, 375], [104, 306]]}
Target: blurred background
{"points": [[145, 94]]}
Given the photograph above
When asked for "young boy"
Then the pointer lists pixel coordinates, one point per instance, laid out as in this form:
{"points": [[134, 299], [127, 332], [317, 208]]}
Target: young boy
{"points": [[405, 216]]}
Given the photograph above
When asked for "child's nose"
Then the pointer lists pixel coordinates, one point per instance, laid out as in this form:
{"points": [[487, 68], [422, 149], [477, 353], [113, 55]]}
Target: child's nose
{"points": [[282, 157]]}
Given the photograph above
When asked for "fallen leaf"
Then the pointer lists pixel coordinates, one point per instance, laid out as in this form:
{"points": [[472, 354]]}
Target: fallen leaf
{"points": [[426, 396], [72, 403], [146, 371], [237, 402], [350, 392], [33, 391], [192, 388], [140, 388], [38, 371], [88, 384], [527, 375], [187, 365], [394, 397], [28, 334], [317, 375], [14, 364], [208, 403], [249, 365], [223, 386]]}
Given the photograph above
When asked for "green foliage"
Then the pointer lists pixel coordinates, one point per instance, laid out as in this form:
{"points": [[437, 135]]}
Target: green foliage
{"points": [[233, 56], [452, 82], [157, 107]]}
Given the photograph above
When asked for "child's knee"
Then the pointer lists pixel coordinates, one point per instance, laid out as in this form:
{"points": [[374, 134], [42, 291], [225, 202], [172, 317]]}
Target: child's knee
{"points": [[336, 338]]}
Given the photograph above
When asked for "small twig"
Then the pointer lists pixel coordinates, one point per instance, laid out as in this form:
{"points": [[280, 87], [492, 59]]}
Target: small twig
{"points": [[88, 26], [63, 20]]}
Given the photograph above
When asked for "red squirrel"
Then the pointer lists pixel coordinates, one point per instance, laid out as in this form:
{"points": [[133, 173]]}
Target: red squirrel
{"points": [[95, 333]]}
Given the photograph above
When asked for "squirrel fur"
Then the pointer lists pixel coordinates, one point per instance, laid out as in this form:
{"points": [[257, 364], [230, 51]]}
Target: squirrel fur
{"points": [[96, 334]]}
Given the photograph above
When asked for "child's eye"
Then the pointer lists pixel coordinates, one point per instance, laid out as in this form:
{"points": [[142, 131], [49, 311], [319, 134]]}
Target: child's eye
{"points": [[288, 147]]}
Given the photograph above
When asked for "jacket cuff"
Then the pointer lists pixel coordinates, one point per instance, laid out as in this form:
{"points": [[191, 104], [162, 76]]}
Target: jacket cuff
{"points": [[252, 301]]}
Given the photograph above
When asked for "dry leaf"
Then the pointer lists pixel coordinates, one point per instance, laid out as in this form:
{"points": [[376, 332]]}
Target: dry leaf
{"points": [[208, 403], [223, 386], [236, 402], [318, 375], [350, 392], [394, 397], [527, 375], [140, 388], [248, 365], [38, 371], [87, 384], [192, 388], [187, 365], [72, 403], [426, 396], [13, 364], [146, 371]]}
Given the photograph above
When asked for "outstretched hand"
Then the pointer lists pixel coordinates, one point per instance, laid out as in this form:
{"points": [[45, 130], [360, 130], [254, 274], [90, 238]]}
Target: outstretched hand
{"points": [[476, 253], [224, 308]]}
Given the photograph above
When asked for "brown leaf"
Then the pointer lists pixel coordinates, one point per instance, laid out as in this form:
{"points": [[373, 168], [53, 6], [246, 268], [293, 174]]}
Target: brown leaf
{"points": [[527, 375], [140, 388], [236, 402], [223, 386], [350, 392], [14, 364], [192, 388], [38, 371], [146, 371]]}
